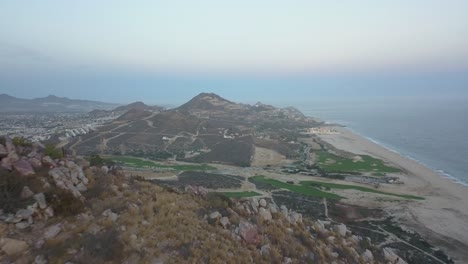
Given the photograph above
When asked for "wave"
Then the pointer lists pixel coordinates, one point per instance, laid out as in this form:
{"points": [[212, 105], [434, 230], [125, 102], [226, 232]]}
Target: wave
{"points": [[440, 172]]}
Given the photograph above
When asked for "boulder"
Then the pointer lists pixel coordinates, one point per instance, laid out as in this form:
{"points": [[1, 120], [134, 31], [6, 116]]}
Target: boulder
{"points": [[294, 218], [9, 145], [273, 208], [262, 203], [3, 151], [24, 168], [6, 163], [22, 225], [340, 229], [111, 215], [225, 223], [81, 187], [215, 215], [254, 202], [24, 213], [48, 161], [13, 156], [284, 211], [265, 214], [105, 169], [13, 247], [367, 256], [36, 163], [52, 231], [249, 233], [40, 199], [26, 193], [265, 250]]}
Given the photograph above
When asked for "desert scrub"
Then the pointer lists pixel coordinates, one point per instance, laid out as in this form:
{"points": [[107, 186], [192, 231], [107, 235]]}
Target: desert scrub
{"points": [[51, 151], [63, 202]]}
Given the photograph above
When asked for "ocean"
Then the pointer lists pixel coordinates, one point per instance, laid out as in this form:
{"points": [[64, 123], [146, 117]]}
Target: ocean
{"points": [[434, 133]]}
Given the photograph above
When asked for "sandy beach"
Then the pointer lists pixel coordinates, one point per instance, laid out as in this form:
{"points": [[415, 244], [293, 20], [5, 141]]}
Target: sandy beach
{"points": [[442, 217]]}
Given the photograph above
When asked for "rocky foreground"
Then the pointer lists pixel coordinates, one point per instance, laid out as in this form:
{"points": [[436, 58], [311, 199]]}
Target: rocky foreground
{"points": [[69, 210]]}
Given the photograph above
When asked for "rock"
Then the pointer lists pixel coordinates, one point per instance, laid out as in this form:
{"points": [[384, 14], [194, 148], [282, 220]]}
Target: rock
{"points": [[70, 164], [262, 203], [392, 257], [105, 169], [368, 256], [287, 261], [40, 259], [36, 163], [24, 168], [6, 163], [48, 161], [340, 229], [273, 208], [49, 211], [3, 151], [52, 231], [134, 208], [254, 202], [41, 200], [22, 225], [294, 218], [9, 145], [81, 187], [265, 250], [13, 156], [26, 193], [225, 223], [265, 215], [111, 215], [24, 213], [13, 247], [249, 233], [215, 215], [145, 223], [284, 210]]}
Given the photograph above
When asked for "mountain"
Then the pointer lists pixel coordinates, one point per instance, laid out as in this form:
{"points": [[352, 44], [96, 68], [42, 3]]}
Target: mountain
{"points": [[50, 103], [208, 128], [209, 102], [138, 106]]}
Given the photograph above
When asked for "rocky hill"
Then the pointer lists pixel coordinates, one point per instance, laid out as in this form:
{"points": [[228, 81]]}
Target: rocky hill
{"points": [[140, 106], [50, 103], [208, 128], [59, 209]]}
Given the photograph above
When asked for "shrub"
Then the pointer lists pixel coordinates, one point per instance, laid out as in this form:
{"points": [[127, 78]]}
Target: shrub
{"points": [[21, 141], [64, 203], [11, 185], [218, 201], [96, 160], [51, 151]]}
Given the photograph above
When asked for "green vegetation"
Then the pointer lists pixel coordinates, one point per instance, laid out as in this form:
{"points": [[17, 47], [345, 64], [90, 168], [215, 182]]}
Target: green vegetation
{"points": [[328, 185], [140, 163], [96, 160], [51, 151], [337, 164], [301, 189], [241, 194], [21, 141]]}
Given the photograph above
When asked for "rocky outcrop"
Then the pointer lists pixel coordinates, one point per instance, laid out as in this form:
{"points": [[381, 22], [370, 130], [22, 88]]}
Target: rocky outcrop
{"points": [[70, 177], [249, 233], [12, 247], [3, 151], [23, 167]]}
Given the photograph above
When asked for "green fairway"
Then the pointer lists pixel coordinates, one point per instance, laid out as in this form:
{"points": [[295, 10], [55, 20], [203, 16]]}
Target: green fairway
{"points": [[337, 164], [140, 163], [240, 194], [354, 187], [301, 189]]}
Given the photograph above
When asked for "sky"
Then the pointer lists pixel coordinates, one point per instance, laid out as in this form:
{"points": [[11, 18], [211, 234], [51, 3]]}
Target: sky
{"points": [[155, 51]]}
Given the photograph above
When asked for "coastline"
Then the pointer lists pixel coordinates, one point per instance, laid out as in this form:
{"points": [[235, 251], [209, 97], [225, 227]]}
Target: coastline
{"points": [[442, 217]]}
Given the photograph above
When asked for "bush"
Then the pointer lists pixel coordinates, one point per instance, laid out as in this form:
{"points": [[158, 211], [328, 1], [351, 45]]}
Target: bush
{"points": [[51, 151], [96, 160], [11, 185], [218, 201], [21, 141], [64, 203]]}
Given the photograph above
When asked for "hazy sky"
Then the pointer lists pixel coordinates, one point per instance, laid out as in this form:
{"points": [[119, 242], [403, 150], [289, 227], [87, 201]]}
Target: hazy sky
{"points": [[153, 50]]}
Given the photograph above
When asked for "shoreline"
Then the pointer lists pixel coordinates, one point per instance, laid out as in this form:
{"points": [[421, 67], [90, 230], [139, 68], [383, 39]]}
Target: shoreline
{"points": [[440, 172], [442, 217]]}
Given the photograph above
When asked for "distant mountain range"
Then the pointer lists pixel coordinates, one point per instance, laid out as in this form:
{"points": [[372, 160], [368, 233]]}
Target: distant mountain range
{"points": [[50, 103]]}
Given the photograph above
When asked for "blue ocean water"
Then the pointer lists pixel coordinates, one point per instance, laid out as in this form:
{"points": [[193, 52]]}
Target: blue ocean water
{"points": [[434, 133]]}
